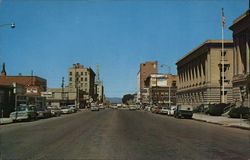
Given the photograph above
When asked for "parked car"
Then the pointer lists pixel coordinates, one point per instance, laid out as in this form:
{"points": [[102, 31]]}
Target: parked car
{"points": [[171, 110], [185, 111], [102, 107], [147, 108], [158, 110], [94, 108], [55, 111], [24, 112], [66, 110], [164, 110], [72, 108], [43, 112], [132, 107], [153, 109]]}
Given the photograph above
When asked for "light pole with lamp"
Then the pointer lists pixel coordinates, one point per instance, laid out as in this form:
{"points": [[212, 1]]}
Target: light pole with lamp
{"points": [[169, 85], [12, 25]]}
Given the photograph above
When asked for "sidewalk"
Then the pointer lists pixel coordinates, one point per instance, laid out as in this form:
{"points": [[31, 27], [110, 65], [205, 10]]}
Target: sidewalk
{"points": [[5, 120], [225, 121]]}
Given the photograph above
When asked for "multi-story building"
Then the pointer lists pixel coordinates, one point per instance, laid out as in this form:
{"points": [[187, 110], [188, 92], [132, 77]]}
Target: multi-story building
{"points": [[162, 88], [200, 74], [63, 96], [145, 70], [83, 79], [100, 93], [241, 59]]}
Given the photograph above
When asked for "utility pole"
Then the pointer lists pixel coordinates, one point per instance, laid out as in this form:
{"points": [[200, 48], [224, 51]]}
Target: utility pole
{"points": [[62, 85]]}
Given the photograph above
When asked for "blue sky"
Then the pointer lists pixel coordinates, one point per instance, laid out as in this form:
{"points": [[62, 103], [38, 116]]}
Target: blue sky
{"points": [[118, 35]]}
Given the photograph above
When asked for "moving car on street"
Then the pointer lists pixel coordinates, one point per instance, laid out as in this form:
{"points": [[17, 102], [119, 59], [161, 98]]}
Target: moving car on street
{"points": [[24, 112], [185, 111]]}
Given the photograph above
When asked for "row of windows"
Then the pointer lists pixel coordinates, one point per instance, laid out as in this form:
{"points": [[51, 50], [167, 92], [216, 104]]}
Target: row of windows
{"points": [[77, 73], [77, 79]]}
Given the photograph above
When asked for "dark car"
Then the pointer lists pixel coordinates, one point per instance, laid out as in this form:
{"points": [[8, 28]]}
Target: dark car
{"points": [[43, 112], [185, 111]]}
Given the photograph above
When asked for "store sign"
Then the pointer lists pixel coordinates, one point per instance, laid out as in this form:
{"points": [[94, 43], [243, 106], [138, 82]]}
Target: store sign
{"points": [[46, 94]]}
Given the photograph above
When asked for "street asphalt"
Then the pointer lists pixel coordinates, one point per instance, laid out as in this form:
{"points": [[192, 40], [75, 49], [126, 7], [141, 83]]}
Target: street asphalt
{"points": [[122, 134]]}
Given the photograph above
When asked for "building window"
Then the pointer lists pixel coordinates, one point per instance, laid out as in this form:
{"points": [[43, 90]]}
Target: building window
{"points": [[86, 84], [86, 79], [70, 78], [81, 73], [70, 73], [86, 73], [81, 79], [174, 83], [223, 54]]}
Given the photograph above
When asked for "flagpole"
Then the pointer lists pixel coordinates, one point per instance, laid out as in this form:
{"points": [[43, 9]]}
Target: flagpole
{"points": [[222, 56]]}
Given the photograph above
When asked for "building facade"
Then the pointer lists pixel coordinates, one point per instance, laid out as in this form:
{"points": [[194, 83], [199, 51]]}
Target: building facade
{"points": [[162, 88], [100, 93], [83, 79], [63, 96], [146, 69], [201, 76], [241, 62]]}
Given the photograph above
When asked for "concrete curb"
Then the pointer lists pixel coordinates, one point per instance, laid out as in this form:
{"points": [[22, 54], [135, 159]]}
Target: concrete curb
{"points": [[225, 125]]}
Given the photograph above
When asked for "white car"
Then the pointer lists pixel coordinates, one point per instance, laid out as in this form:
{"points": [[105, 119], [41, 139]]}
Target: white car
{"points": [[66, 110], [164, 110], [132, 107], [172, 110]]}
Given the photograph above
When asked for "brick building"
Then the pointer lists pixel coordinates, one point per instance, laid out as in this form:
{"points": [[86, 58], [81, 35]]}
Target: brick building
{"points": [[146, 69], [162, 88]]}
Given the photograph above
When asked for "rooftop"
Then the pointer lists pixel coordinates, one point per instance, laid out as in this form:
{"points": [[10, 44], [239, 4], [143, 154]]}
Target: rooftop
{"points": [[210, 41]]}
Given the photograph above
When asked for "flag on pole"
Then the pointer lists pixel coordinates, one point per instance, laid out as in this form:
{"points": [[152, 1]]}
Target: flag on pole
{"points": [[223, 23]]}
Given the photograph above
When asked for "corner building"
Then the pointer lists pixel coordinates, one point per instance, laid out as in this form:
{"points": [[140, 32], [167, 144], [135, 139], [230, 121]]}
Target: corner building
{"points": [[200, 74], [241, 62]]}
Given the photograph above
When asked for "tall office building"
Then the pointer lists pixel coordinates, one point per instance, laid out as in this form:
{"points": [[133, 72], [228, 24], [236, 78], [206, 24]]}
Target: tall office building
{"points": [[83, 79], [146, 69]]}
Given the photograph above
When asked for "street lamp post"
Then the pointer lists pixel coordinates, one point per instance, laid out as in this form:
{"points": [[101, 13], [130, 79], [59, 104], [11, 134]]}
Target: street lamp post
{"points": [[12, 25], [169, 85]]}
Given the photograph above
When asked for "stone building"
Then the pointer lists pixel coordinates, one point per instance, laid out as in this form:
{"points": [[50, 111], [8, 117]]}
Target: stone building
{"points": [[241, 62], [200, 74], [145, 70], [160, 85], [83, 79]]}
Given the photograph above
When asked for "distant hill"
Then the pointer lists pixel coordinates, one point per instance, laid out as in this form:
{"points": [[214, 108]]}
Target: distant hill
{"points": [[115, 99]]}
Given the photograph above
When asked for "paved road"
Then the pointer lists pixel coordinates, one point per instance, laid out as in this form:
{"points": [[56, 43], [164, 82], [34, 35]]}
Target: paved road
{"points": [[122, 134]]}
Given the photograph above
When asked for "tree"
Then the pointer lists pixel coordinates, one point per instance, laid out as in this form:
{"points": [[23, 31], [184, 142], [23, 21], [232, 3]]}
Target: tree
{"points": [[127, 98]]}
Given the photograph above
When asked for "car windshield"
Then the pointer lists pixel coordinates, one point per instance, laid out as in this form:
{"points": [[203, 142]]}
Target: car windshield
{"points": [[22, 108]]}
